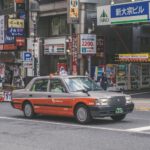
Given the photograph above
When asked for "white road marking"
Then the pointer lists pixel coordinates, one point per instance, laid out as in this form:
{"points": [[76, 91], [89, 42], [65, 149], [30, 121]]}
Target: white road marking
{"points": [[81, 126], [62, 124], [140, 129]]}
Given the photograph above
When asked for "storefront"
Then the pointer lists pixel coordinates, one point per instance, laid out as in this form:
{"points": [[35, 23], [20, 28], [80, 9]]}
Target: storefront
{"points": [[133, 71], [10, 70]]}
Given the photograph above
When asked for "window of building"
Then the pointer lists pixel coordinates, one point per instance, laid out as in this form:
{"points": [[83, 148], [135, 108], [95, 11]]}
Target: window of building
{"points": [[7, 4], [59, 25], [42, 2]]}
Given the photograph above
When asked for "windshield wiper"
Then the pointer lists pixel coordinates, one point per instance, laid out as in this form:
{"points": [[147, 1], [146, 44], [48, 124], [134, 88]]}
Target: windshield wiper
{"points": [[86, 91]]}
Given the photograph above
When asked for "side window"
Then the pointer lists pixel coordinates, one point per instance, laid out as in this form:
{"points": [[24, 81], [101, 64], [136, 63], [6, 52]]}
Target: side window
{"points": [[57, 86], [40, 85]]}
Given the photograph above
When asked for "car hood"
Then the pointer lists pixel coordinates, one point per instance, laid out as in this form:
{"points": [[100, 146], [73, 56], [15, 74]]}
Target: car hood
{"points": [[19, 90], [105, 94]]}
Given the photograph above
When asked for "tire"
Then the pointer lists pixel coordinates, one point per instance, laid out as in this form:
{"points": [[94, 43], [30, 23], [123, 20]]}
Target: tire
{"points": [[82, 114], [28, 110], [118, 117]]}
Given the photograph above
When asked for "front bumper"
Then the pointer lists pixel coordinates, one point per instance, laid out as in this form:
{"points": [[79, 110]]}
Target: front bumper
{"points": [[107, 111]]}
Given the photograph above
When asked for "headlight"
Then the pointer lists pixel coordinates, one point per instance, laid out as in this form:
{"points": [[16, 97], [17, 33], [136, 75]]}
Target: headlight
{"points": [[128, 100], [102, 102]]}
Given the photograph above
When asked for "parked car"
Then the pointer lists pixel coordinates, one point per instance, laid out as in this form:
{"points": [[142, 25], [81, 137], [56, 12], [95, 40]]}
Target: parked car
{"points": [[72, 96]]}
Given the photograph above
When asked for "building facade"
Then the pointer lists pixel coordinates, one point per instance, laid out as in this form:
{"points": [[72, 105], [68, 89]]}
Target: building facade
{"points": [[13, 29], [49, 40]]}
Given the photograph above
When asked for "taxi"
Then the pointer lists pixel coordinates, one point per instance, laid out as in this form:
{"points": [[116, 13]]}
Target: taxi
{"points": [[70, 96]]}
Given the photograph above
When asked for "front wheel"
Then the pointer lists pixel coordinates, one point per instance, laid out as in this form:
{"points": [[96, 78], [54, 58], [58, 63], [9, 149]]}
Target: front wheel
{"points": [[28, 110], [82, 114], [118, 117]]}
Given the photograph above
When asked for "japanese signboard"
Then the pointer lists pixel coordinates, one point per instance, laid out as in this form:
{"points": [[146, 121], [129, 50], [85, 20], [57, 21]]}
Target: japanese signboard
{"points": [[100, 44], [130, 12], [20, 41], [7, 96], [15, 31], [1, 46], [2, 27], [9, 39], [2, 70], [15, 23], [9, 47], [74, 54], [73, 11], [55, 46], [88, 44], [33, 46], [124, 13], [141, 57]]}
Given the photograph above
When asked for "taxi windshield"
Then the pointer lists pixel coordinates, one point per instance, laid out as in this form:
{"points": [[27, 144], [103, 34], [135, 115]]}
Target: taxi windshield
{"points": [[76, 84]]}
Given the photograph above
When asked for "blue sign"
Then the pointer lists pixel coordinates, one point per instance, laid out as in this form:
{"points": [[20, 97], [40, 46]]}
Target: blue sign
{"points": [[27, 56], [130, 12], [22, 15], [9, 39], [130, 9], [15, 31]]}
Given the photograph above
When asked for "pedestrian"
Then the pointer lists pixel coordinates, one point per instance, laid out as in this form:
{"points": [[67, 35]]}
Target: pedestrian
{"points": [[86, 73], [62, 71], [104, 81]]}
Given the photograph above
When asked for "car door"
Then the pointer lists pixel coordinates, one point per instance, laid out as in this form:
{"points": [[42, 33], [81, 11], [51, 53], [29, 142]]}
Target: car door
{"points": [[62, 102], [40, 96]]}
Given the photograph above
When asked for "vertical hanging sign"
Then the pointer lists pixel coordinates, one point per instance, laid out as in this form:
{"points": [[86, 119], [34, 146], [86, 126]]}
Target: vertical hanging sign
{"points": [[74, 54], [19, 5], [2, 27], [73, 11]]}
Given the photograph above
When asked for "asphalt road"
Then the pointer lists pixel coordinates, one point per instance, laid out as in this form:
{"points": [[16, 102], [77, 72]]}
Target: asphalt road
{"points": [[57, 133]]}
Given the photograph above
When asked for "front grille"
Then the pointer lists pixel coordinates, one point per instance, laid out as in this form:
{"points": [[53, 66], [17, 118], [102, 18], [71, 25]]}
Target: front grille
{"points": [[117, 101]]}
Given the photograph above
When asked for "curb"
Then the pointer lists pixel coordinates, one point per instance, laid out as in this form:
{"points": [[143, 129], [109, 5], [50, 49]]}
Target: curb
{"points": [[142, 108]]}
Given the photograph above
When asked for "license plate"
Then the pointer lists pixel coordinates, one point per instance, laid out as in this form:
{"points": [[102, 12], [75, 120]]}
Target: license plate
{"points": [[119, 111]]}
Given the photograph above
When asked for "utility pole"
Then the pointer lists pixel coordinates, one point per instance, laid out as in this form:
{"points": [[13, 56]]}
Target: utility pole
{"points": [[34, 17], [81, 29]]}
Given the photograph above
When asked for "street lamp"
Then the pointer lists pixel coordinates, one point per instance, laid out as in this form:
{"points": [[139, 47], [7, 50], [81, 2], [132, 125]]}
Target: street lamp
{"points": [[34, 9], [68, 53]]}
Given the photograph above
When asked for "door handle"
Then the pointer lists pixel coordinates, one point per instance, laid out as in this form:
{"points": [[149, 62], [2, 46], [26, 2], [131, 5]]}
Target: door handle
{"points": [[49, 96], [30, 95]]}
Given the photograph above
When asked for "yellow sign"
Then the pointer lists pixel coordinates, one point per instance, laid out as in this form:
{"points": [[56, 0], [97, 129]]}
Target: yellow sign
{"points": [[15, 23], [74, 9], [135, 57]]}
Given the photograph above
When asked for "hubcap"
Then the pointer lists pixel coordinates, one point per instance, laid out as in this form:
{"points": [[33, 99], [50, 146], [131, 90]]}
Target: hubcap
{"points": [[82, 114], [28, 110]]}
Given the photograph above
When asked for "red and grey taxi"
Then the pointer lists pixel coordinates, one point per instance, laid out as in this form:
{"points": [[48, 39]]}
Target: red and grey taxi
{"points": [[70, 96]]}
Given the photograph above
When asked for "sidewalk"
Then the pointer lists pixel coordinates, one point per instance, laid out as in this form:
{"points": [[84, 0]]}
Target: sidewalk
{"points": [[142, 104], [136, 91]]}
